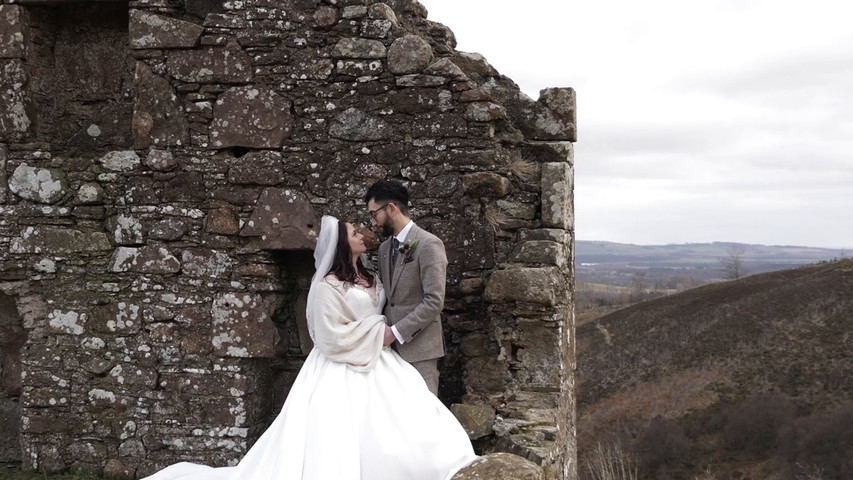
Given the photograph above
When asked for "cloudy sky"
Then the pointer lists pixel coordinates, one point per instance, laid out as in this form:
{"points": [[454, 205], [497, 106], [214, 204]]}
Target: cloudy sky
{"points": [[720, 120]]}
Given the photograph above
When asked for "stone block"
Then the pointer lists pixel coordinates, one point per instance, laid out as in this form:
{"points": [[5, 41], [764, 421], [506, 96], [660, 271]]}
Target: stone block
{"points": [[409, 54], [69, 323], [381, 11], [558, 183], [439, 125], [472, 286], [157, 117], [15, 113], [262, 270], [115, 468], [484, 112], [126, 230], [160, 160], [170, 229], [420, 80], [152, 31], [561, 104], [538, 285], [353, 11], [120, 161], [184, 187], [475, 95], [486, 184], [148, 259], [358, 68], [220, 20], [537, 351], [355, 125], [3, 179], [516, 209], [487, 375], [42, 185], [546, 234], [283, 219], [371, 28], [90, 193], [222, 221], [37, 424], [477, 420], [311, 69], [11, 32], [257, 168], [59, 241], [130, 375], [199, 262], [540, 251], [242, 326], [500, 466], [420, 100], [359, 48], [475, 345], [251, 117], [549, 152], [10, 425], [444, 67], [210, 65], [116, 318], [325, 18]]}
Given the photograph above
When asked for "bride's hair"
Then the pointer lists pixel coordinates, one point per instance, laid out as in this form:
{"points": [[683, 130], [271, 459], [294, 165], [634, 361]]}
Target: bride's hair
{"points": [[342, 264]]}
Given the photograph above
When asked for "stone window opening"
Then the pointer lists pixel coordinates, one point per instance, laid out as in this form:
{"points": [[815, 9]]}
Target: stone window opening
{"points": [[81, 81], [296, 267], [12, 339]]}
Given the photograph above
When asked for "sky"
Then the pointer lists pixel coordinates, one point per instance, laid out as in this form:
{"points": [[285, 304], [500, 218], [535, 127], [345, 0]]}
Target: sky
{"points": [[698, 121]]}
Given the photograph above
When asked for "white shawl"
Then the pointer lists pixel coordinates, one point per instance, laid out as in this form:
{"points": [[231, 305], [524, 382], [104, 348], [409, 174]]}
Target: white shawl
{"points": [[340, 334]]}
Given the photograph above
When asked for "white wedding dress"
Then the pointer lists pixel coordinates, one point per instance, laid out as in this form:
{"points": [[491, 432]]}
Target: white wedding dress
{"points": [[339, 423]]}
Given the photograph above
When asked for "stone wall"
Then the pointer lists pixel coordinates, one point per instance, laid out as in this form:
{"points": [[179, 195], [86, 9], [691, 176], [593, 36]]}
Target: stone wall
{"points": [[163, 166]]}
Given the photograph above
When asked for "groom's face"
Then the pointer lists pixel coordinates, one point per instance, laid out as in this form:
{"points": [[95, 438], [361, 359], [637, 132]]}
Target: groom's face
{"points": [[379, 217]]}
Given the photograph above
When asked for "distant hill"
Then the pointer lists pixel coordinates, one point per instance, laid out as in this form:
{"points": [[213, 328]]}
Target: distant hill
{"points": [[748, 379], [616, 263]]}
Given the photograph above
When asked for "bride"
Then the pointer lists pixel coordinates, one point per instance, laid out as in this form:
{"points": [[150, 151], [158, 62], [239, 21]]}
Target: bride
{"points": [[357, 411]]}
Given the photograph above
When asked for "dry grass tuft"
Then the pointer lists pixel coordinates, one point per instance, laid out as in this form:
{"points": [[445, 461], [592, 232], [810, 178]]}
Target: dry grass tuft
{"points": [[496, 218], [706, 475], [522, 169], [809, 472]]}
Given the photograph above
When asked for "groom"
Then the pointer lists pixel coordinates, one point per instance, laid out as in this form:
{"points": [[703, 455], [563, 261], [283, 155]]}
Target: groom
{"points": [[412, 266]]}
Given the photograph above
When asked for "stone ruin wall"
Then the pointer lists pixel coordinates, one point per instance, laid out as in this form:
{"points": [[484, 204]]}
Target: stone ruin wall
{"points": [[163, 166]]}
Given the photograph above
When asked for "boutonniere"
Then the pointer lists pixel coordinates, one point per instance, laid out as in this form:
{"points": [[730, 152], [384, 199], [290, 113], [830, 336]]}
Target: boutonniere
{"points": [[407, 250]]}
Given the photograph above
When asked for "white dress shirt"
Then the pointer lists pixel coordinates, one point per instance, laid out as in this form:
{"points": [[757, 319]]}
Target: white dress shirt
{"points": [[401, 237]]}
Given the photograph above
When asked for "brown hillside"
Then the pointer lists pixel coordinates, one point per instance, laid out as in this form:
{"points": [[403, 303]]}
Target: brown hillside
{"points": [[693, 356]]}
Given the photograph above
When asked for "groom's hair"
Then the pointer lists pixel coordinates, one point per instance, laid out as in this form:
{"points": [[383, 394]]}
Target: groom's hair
{"points": [[389, 191]]}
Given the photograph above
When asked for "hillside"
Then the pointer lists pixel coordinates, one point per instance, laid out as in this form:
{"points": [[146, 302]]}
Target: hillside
{"points": [[719, 376], [614, 263]]}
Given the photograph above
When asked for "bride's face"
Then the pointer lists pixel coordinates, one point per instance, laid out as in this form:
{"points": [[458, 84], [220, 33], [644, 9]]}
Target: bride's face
{"points": [[356, 240]]}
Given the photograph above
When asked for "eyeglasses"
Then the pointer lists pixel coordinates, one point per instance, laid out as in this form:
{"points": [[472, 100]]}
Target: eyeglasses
{"points": [[373, 213]]}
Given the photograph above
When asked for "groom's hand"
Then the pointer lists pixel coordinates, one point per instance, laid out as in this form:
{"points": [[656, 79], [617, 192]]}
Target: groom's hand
{"points": [[389, 336]]}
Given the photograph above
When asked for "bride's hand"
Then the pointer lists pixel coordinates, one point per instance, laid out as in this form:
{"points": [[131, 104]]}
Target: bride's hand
{"points": [[389, 336]]}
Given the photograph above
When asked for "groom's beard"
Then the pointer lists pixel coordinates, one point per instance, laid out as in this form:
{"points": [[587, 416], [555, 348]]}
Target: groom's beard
{"points": [[387, 228]]}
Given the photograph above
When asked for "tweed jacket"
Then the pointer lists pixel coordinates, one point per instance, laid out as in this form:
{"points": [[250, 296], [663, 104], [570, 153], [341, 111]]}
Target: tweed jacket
{"points": [[415, 294]]}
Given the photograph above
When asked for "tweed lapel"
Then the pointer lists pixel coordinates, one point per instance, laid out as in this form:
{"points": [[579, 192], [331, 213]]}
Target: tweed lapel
{"points": [[401, 265]]}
